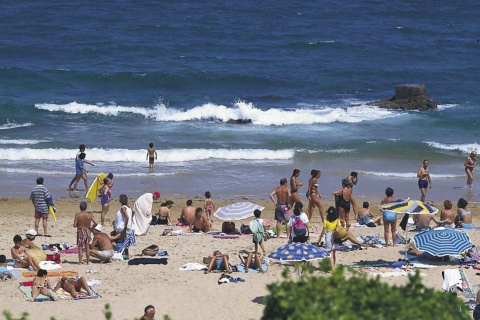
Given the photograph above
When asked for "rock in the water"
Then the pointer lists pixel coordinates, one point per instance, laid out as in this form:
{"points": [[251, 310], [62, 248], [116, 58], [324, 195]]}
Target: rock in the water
{"points": [[408, 97], [239, 121]]}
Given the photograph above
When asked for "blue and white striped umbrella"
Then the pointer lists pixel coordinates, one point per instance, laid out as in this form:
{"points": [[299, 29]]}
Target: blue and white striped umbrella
{"points": [[299, 252], [443, 242], [237, 211]]}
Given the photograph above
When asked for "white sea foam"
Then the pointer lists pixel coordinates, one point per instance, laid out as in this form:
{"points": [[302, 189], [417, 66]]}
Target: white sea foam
{"points": [[407, 175], [20, 141], [464, 148], [240, 110], [13, 125], [332, 151], [125, 155], [447, 106]]}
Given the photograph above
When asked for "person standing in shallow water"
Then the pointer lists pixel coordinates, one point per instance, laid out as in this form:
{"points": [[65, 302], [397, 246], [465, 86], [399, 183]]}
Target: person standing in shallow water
{"points": [[151, 156], [469, 164], [424, 180]]}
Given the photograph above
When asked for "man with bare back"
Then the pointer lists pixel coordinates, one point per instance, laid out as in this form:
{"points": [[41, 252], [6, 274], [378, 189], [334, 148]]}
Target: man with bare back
{"points": [[83, 222], [282, 206], [101, 246]]}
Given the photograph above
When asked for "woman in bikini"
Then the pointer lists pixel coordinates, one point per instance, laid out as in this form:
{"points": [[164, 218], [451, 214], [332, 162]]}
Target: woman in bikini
{"points": [[20, 256], [294, 186], [219, 262], [105, 195], [41, 285], [313, 194], [164, 213], [469, 164], [464, 215]]}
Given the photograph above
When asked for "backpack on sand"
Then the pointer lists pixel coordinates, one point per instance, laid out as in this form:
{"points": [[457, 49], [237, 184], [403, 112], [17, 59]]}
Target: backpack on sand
{"points": [[299, 227]]}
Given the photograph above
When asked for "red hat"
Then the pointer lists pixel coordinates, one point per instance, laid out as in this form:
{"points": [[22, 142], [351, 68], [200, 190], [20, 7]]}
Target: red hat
{"points": [[156, 194]]}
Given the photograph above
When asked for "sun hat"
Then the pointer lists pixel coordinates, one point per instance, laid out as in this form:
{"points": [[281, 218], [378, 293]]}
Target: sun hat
{"points": [[31, 232], [98, 227], [156, 194]]}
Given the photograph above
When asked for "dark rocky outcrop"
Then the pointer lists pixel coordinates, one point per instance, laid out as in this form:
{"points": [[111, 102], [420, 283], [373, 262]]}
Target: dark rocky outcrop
{"points": [[239, 121], [408, 97]]}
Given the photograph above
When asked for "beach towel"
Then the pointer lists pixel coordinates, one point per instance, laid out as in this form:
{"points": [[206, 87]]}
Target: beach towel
{"points": [[241, 268], [8, 269], [49, 265], [26, 289], [138, 261], [465, 289], [385, 272], [451, 279], [193, 266], [64, 295], [143, 214], [29, 274]]}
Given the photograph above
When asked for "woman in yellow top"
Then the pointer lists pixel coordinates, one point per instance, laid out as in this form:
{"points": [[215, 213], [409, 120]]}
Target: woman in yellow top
{"points": [[329, 225]]}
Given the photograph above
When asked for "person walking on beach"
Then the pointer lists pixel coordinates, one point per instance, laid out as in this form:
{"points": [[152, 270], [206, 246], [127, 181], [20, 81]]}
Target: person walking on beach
{"points": [[151, 156], [81, 171], [329, 226], [313, 194], [209, 206], [342, 202], [40, 200], [389, 218], [469, 164], [424, 180], [83, 222], [294, 186], [105, 196], [353, 179], [81, 150], [281, 205], [256, 225]]}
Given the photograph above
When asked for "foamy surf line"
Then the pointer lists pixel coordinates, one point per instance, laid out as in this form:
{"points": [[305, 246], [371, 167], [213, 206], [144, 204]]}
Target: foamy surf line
{"points": [[408, 175], [13, 125], [464, 148], [125, 155], [238, 111]]}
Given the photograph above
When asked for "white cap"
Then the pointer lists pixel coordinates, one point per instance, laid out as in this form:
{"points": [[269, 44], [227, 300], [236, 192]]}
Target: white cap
{"points": [[98, 227], [31, 232]]}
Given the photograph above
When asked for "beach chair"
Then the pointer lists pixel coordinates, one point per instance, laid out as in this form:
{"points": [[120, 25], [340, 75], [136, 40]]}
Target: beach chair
{"points": [[129, 241]]}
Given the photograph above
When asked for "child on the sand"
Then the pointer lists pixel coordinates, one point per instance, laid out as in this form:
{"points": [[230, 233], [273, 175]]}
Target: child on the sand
{"points": [[209, 206]]}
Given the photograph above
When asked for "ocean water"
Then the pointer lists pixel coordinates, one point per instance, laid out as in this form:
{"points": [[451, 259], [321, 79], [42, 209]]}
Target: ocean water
{"points": [[117, 76]]}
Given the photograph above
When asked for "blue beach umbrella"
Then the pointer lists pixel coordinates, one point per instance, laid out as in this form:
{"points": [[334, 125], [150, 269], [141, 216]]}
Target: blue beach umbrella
{"points": [[443, 242], [237, 211], [299, 252]]}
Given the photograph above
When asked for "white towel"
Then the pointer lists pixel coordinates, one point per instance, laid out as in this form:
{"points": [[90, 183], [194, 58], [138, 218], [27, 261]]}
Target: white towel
{"points": [[451, 278], [193, 266], [143, 214]]}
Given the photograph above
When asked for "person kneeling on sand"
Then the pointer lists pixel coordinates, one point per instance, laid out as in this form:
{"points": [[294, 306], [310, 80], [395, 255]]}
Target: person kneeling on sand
{"points": [[364, 217], [101, 246], [73, 286], [219, 262]]}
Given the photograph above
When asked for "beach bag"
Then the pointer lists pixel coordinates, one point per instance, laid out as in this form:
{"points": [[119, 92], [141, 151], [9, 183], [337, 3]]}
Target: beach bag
{"points": [[340, 232], [228, 227], [299, 227], [245, 229], [150, 250]]}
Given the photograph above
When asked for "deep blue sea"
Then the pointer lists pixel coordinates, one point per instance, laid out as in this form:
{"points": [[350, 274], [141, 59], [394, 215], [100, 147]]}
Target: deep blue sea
{"points": [[116, 76]]}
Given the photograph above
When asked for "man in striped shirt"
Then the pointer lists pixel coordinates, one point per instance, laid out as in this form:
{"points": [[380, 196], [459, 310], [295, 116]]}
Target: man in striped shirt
{"points": [[40, 198]]}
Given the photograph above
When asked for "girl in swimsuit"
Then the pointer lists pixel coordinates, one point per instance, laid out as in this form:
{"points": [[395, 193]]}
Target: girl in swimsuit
{"points": [[314, 195], [218, 261], [105, 195], [464, 215], [209, 206], [294, 186], [469, 164], [41, 285]]}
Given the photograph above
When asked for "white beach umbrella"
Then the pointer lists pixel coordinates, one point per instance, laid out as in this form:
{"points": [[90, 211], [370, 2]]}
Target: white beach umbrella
{"points": [[237, 211]]}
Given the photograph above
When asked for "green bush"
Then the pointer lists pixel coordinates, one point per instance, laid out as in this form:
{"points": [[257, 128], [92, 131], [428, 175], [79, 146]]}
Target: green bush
{"points": [[359, 297]]}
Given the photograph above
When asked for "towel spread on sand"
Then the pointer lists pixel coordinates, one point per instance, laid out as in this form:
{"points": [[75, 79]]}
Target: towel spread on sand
{"points": [[143, 214], [241, 268], [29, 274], [456, 280], [385, 272], [64, 295], [26, 289], [49, 265], [193, 266]]}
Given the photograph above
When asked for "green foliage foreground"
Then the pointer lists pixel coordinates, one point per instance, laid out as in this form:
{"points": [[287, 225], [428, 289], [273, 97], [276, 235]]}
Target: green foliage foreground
{"points": [[358, 297]]}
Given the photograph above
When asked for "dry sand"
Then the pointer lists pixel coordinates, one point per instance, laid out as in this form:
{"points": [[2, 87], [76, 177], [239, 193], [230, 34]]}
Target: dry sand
{"points": [[180, 294]]}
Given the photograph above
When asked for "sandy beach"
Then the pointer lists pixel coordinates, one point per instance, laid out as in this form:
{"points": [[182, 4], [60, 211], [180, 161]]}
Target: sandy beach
{"points": [[179, 294]]}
